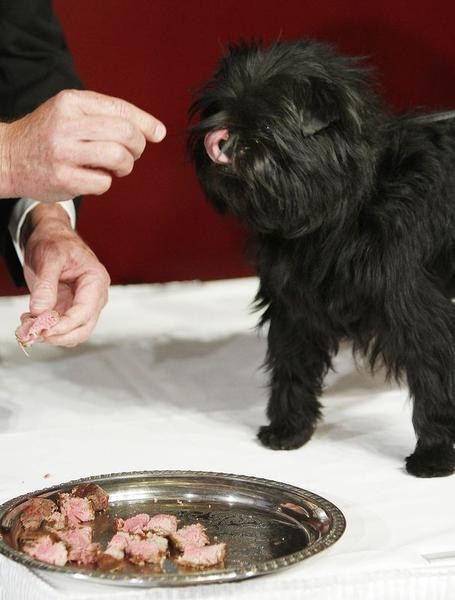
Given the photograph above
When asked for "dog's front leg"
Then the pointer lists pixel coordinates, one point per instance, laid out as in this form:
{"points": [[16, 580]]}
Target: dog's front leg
{"points": [[297, 358]]}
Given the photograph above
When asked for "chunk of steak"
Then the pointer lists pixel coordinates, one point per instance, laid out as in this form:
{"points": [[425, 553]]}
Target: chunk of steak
{"points": [[56, 521], [159, 541], [90, 554], [46, 549], [76, 540], [116, 547], [142, 551], [164, 525], [201, 557], [76, 510], [134, 525], [32, 327], [94, 493], [37, 511], [190, 535], [137, 549]]}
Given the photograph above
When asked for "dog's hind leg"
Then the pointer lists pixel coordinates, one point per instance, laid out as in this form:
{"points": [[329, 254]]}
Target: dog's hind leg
{"points": [[420, 342], [297, 359], [433, 419]]}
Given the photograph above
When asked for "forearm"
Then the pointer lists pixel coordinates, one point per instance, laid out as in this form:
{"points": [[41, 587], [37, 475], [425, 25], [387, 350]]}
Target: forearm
{"points": [[6, 184], [23, 218]]}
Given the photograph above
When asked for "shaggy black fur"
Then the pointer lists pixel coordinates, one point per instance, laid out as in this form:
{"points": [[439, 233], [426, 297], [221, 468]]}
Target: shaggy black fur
{"points": [[353, 210]]}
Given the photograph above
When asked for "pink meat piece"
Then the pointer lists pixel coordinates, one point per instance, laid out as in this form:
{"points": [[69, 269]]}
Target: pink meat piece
{"points": [[160, 542], [92, 492], [76, 510], [190, 536], [117, 546], [141, 551], [200, 557], [45, 549], [37, 511], [90, 555], [76, 541], [32, 327], [137, 549], [164, 525], [135, 524], [56, 521]]}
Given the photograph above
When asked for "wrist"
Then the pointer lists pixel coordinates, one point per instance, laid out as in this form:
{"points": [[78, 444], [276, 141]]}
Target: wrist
{"points": [[50, 218]]}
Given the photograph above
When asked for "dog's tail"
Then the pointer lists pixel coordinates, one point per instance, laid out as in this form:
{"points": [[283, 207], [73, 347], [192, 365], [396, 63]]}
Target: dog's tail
{"points": [[424, 118]]}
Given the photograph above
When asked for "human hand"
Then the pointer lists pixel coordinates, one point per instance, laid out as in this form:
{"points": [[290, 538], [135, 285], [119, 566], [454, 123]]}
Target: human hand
{"points": [[73, 144], [63, 274]]}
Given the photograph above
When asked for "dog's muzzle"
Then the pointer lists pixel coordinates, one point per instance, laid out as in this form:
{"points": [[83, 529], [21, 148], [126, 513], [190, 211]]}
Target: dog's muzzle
{"points": [[212, 145]]}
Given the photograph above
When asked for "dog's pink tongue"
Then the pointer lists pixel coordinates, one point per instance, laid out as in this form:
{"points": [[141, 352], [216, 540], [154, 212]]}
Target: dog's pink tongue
{"points": [[212, 145]]}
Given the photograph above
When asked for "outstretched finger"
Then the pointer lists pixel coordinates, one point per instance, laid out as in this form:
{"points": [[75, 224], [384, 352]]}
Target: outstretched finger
{"points": [[93, 103]]}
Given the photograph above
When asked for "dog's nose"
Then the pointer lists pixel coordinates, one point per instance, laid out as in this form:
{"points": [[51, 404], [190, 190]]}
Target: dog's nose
{"points": [[212, 144]]}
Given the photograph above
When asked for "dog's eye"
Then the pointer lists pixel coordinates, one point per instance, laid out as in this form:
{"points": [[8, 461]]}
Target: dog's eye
{"points": [[243, 150]]}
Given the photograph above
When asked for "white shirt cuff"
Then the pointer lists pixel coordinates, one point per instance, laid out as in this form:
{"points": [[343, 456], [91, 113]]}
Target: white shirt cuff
{"points": [[20, 212]]}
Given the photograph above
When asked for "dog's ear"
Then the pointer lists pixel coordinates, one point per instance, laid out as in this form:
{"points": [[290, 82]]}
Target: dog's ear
{"points": [[312, 125], [315, 106]]}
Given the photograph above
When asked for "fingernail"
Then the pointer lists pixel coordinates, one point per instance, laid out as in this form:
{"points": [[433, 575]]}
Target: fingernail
{"points": [[160, 132]]}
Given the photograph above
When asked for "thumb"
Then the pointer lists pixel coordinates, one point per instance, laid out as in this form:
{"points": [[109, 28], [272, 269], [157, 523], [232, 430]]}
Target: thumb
{"points": [[43, 295]]}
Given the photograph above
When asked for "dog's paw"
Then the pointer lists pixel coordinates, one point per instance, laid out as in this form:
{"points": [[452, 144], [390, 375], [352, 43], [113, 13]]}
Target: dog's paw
{"points": [[432, 461], [282, 439]]}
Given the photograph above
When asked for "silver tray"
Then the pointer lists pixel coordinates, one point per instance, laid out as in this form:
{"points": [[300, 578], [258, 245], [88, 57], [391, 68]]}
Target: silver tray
{"points": [[267, 525]]}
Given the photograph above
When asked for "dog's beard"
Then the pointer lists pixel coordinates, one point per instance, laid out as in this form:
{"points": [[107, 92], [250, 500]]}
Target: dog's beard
{"points": [[277, 189]]}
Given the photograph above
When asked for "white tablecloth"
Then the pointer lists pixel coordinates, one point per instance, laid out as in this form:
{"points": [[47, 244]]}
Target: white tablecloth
{"points": [[178, 366]]}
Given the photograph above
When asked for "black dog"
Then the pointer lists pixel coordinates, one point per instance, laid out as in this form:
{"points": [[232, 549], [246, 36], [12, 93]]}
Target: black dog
{"points": [[353, 210]]}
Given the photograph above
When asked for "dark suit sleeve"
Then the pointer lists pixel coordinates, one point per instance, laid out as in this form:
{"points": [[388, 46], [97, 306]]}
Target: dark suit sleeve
{"points": [[35, 64]]}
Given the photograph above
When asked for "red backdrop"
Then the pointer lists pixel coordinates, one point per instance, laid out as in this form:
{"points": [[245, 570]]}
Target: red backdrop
{"points": [[155, 224]]}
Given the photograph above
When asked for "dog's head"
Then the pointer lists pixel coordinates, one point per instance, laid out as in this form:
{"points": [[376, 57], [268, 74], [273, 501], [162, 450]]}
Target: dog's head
{"points": [[286, 135]]}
